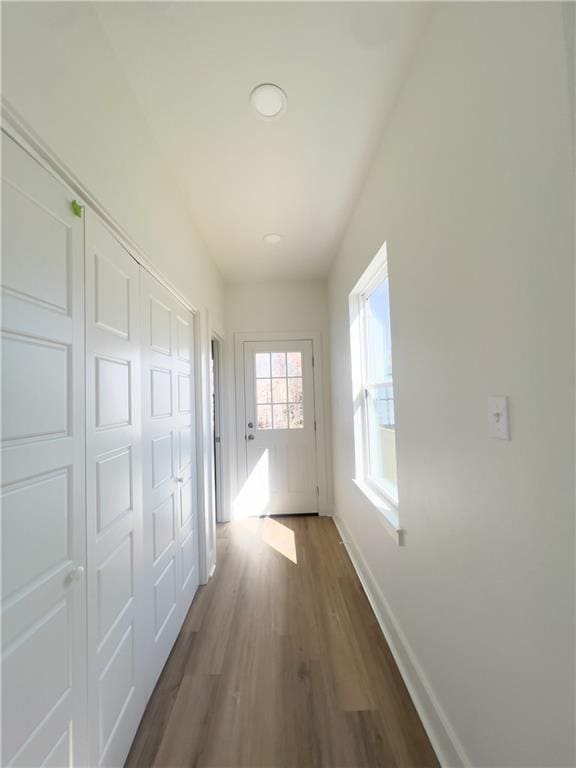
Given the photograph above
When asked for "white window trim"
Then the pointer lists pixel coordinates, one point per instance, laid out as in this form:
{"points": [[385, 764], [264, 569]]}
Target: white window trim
{"points": [[381, 500]]}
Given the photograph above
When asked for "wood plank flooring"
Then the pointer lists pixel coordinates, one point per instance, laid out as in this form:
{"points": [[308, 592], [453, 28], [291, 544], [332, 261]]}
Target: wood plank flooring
{"points": [[281, 664]]}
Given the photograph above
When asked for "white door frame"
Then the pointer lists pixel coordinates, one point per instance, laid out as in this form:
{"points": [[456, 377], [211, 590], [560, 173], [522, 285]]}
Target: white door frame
{"points": [[14, 126], [317, 356]]}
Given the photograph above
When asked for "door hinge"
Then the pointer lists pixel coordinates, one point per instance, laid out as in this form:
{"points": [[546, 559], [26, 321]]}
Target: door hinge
{"points": [[314, 425], [317, 491], [312, 361]]}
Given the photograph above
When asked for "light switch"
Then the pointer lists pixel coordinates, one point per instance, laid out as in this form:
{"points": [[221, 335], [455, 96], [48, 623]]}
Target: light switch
{"points": [[498, 418]]}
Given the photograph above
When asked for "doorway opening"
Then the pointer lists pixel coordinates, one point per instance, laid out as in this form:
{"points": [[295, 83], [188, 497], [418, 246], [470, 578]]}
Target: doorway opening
{"points": [[277, 452], [216, 408]]}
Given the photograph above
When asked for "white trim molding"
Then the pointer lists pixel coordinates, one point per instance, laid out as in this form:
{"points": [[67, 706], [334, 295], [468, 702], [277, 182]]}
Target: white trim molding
{"points": [[383, 499], [448, 748], [387, 514]]}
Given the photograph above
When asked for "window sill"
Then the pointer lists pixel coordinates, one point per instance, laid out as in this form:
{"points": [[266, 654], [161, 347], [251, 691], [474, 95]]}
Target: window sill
{"points": [[388, 514]]}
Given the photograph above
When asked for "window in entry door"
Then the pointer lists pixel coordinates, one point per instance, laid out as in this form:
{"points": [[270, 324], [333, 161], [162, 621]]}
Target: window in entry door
{"points": [[279, 394]]}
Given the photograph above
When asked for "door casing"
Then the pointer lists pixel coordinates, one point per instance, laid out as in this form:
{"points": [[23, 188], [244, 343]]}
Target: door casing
{"points": [[240, 443]]}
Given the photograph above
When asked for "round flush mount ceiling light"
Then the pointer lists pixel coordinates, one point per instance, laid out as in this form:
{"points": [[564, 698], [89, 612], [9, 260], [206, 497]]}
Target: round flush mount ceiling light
{"points": [[272, 238], [268, 100]]}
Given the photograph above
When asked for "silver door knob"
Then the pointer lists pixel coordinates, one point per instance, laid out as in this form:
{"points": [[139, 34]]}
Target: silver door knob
{"points": [[179, 479], [76, 573], [250, 425], [250, 437]]}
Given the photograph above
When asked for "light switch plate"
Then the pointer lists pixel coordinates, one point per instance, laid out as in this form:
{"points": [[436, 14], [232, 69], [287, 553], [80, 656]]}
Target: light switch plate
{"points": [[499, 427]]}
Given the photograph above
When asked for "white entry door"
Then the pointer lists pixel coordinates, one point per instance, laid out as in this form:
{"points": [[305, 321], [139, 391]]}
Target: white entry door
{"points": [[169, 467], [43, 495], [117, 690], [280, 429]]}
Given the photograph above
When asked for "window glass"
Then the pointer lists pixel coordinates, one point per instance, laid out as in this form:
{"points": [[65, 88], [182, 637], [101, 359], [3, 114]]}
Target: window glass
{"points": [[380, 438], [278, 363], [294, 363], [279, 390], [264, 416], [379, 345], [281, 416], [296, 414], [295, 390], [263, 391], [262, 364]]}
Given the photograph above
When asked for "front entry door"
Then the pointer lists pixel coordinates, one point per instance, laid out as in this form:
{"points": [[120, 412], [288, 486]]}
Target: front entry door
{"points": [[280, 429]]}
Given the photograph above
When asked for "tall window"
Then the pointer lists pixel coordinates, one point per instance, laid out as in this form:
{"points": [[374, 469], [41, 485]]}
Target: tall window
{"points": [[373, 382]]}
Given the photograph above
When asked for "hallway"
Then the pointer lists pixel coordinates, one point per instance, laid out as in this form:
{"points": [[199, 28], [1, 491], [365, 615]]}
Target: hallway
{"points": [[288, 375], [281, 663]]}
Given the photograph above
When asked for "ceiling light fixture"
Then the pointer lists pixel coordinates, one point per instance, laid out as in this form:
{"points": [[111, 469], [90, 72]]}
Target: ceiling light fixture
{"points": [[272, 238], [268, 100]]}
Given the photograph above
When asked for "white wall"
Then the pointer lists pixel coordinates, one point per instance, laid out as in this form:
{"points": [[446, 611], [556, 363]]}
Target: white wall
{"points": [[471, 189], [61, 76], [276, 307]]}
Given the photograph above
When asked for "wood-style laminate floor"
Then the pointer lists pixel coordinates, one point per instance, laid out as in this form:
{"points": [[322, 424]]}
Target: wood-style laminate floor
{"points": [[281, 664]]}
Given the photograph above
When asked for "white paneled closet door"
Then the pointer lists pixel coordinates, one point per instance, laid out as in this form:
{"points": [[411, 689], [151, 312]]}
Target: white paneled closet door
{"points": [[116, 662], [43, 494], [169, 466]]}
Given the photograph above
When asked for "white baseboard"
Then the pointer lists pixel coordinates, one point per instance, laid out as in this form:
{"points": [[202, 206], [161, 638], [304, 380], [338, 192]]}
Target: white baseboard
{"points": [[448, 749]]}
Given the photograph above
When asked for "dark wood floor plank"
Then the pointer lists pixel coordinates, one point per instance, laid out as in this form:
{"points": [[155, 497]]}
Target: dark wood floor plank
{"points": [[281, 664], [157, 715]]}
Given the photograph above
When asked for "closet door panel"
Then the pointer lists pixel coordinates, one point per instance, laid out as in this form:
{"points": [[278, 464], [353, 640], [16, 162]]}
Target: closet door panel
{"points": [[43, 494], [159, 481], [116, 628], [170, 497], [185, 434]]}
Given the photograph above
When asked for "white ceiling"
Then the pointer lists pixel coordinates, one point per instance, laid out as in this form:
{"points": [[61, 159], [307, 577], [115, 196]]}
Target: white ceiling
{"points": [[192, 67]]}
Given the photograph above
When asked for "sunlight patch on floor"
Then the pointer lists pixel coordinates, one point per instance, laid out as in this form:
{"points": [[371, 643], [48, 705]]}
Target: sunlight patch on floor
{"points": [[280, 537], [273, 533]]}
